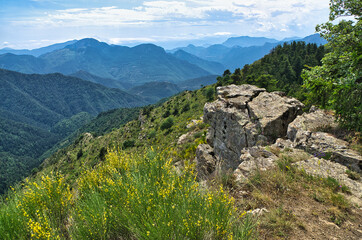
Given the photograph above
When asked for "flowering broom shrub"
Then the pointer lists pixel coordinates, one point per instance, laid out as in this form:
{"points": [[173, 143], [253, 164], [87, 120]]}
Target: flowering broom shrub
{"points": [[143, 197], [127, 196]]}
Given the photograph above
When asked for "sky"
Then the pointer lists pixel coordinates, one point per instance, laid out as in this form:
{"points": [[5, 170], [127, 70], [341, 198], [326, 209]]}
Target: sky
{"points": [[28, 24]]}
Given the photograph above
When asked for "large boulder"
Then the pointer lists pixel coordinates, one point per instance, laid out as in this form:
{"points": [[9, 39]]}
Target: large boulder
{"points": [[246, 116], [314, 121], [274, 113]]}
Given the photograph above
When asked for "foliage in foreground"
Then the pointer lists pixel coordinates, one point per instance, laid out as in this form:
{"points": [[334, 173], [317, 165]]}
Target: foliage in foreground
{"points": [[126, 197], [337, 84]]}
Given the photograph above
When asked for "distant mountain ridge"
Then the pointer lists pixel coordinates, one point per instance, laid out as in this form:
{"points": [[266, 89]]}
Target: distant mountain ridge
{"points": [[246, 41], [136, 65], [210, 66], [237, 56], [38, 51]]}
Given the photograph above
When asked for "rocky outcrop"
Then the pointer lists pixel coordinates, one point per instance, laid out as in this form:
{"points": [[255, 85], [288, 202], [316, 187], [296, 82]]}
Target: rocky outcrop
{"points": [[314, 121], [306, 133], [246, 116]]}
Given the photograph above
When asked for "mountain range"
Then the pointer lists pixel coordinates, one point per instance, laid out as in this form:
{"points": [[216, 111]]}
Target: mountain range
{"points": [[238, 51], [137, 65]]}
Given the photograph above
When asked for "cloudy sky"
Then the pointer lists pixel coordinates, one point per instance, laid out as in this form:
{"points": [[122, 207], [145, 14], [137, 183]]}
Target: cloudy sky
{"points": [[35, 23]]}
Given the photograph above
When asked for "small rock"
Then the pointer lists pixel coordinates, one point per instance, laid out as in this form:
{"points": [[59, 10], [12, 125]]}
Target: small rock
{"points": [[255, 158], [184, 138], [259, 212]]}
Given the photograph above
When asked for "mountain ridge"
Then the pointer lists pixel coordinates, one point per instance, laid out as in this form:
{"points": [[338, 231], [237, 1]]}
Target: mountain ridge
{"points": [[136, 65]]}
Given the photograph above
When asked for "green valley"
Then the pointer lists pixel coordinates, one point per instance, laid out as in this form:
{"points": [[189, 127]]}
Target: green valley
{"points": [[37, 111]]}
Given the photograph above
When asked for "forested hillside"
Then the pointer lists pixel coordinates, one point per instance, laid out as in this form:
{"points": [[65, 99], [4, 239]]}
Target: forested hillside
{"points": [[49, 98], [37, 111], [280, 70]]}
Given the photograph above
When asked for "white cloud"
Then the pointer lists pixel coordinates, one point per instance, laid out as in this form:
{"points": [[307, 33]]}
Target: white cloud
{"points": [[163, 20], [262, 11], [222, 33], [129, 40]]}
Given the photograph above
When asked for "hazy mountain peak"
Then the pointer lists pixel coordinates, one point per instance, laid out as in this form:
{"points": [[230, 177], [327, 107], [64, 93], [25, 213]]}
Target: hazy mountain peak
{"points": [[246, 41], [87, 42], [149, 48]]}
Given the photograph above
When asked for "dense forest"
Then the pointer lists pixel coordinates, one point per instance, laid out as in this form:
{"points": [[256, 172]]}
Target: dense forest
{"points": [[280, 70]]}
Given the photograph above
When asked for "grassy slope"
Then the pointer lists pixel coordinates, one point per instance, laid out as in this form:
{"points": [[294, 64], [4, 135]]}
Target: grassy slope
{"points": [[121, 194], [142, 134]]}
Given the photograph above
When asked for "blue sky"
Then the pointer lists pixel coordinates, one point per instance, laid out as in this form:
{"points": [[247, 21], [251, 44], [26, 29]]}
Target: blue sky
{"points": [[36, 23]]}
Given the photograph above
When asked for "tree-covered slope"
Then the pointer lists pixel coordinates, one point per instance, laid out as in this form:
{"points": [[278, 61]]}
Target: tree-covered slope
{"points": [[280, 69], [22, 63], [108, 82], [20, 147], [154, 91], [196, 83], [49, 98], [37, 111]]}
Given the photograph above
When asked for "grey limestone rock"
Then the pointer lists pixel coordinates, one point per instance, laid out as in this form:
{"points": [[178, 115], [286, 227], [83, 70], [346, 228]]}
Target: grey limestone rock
{"points": [[274, 113], [245, 116], [252, 159], [316, 120], [324, 168], [305, 132], [205, 160]]}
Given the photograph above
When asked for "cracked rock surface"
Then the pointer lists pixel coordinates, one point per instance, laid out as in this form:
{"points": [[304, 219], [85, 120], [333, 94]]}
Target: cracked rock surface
{"points": [[306, 133], [245, 116]]}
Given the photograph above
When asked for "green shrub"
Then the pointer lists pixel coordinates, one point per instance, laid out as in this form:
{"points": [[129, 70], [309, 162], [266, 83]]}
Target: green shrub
{"points": [[185, 108], [142, 197], [128, 143], [168, 123], [152, 134]]}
